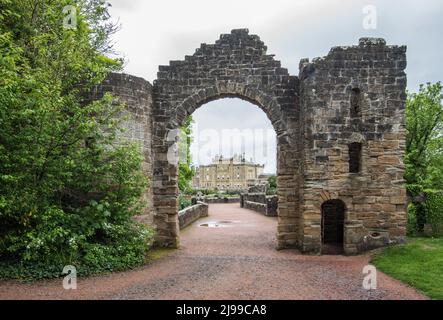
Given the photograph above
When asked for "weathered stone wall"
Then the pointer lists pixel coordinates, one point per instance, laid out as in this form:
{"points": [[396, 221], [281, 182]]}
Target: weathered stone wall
{"points": [[255, 206], [221, 200], [260, 202], [375, 197], [136, 94], [191, 214], [255, 197]]}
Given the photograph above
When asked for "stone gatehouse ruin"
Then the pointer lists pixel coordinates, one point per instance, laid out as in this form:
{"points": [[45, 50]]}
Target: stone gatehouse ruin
{"points": [[340, 126]]}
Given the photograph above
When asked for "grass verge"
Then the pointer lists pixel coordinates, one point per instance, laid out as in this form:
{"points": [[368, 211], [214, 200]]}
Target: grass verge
{"points": [[418, 263]]}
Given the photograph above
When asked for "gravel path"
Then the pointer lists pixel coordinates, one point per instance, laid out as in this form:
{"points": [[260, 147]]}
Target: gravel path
{"points": [[234, 261]]}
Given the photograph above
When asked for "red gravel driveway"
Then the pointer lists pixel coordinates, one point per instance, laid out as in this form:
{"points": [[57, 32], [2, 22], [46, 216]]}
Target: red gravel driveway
{"points": [[236, 260]]}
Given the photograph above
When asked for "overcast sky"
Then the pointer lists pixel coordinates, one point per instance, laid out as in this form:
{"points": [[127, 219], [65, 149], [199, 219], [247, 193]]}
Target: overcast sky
{"points": [[155, 32]]}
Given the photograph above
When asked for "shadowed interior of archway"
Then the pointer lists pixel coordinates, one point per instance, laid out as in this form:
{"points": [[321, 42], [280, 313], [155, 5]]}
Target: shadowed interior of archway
{"points": [[332, 224]]}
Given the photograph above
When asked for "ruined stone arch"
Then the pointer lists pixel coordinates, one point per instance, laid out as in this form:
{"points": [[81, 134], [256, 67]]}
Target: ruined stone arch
{"points": [[237, 65], [311, 116]]}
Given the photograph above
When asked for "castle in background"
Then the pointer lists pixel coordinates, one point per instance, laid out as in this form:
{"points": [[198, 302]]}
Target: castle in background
{"points": [[235, 173]]}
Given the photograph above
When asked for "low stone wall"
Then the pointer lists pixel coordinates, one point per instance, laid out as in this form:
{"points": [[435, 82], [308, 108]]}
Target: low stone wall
{"points": [[217, 200], [260, 202], [256, 206], [256, 197], [191, 214], [222, 200]]}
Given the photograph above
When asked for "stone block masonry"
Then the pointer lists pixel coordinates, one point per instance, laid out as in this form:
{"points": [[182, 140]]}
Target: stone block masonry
{"points": [[192, 214], [355, 96], [260, 202], [136, 94], [232, 199], [340, 128], [255, 206]]}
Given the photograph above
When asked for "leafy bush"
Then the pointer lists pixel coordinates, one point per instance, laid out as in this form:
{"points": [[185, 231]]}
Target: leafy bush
{"points": [[411, 228], [426, 207], [433, 206], [272, 182], [424, 141], [414, 190], [68, 191], [184, 201], [417, 197], [185, 171]]}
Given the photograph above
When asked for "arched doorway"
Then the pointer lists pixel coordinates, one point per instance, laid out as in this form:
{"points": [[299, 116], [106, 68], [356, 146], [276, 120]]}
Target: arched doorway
{"points": [[332, 226], [236, 66]]}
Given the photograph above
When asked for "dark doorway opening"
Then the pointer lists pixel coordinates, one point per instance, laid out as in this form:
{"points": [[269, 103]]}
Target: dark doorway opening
{"points": [[332, 223]]}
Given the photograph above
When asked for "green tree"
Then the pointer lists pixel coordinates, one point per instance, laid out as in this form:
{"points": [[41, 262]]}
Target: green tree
{"points": [[424, 142], [424, 157], [68, 192], [272, 181], [185, 172]]}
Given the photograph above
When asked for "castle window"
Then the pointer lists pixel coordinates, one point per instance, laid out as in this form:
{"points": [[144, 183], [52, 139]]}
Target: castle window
{"points": [[355, 157], [356, 103]]}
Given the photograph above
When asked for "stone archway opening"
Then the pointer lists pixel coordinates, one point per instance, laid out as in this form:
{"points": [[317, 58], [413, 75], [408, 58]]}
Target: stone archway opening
{"points": [[248, 145], [332, 226], [237, 65], [234, 135]]}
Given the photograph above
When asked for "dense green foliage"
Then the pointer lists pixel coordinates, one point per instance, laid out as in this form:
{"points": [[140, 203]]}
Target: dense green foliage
{"points": [[185, 171], [412, 227], [425, 208], [272, 181], [418, 263], [67, 191], [433, 207], [184, 201], [424, 143], [424, 159], [272, 185]]}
